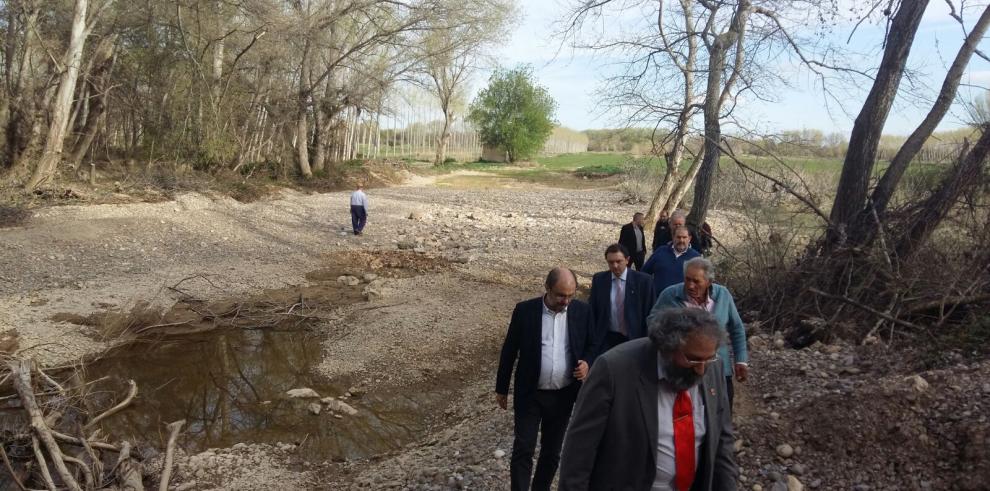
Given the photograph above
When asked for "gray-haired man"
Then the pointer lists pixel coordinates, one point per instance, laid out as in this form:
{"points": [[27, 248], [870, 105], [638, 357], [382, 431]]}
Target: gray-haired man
{"points": [[653, 413]]}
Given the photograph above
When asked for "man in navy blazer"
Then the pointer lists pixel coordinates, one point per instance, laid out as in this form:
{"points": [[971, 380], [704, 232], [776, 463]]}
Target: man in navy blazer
{"points": [[552, 338], [614, 326]]}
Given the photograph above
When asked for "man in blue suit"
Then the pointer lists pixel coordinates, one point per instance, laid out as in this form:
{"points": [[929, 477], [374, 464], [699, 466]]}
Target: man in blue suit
{"points": [[620, 300]]}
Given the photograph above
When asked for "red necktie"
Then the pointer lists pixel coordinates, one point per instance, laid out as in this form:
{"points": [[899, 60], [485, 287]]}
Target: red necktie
{"points": [[683, 442]]}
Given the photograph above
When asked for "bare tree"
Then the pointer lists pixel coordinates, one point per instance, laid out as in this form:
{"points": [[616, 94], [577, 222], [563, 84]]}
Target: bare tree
{"points": [[62, 105], [451, 52]]}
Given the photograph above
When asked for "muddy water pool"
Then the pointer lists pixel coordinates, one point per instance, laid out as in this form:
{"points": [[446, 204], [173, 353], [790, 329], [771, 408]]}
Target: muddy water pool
{"points": [[229, 385]]}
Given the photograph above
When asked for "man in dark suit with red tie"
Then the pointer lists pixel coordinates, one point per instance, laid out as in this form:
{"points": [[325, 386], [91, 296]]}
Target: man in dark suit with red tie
{"points": [[653, 413], [621, 299], [552, 338]]}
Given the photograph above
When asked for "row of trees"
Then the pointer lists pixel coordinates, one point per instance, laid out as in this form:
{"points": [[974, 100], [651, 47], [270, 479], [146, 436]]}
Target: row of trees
{"points": [[220, 83]]}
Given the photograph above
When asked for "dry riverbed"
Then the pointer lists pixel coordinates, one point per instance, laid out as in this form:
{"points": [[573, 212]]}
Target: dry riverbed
{"points": [[396, 333]]}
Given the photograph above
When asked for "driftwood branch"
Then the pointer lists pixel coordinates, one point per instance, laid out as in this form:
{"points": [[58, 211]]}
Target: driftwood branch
{"points": [[128, 471], [131, 392], [22, 383], [46, 475], [867, 308], [174, 428]]}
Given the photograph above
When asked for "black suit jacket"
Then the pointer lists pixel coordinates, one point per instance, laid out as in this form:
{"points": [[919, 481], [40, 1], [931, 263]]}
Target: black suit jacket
{"points": [[661, 234], [639, 299], [523, 342], [627, 237], [611, 442]]}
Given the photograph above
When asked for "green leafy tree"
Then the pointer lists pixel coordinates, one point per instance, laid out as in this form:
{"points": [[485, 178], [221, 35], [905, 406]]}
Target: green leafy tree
{"points": [[514, 113]]}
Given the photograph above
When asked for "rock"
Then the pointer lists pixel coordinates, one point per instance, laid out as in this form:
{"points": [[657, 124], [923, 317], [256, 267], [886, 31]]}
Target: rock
{"points": [[774, 415], [315, 408], [348, 280], [868, 340], [917, 383], [356, 391], [737, 445], [793, 484], [757, 487], [406, 245], [833, 348], [757, 343], [784, 450], [779, 486], [339, 406], [302, 393], [778, 343], [499, 453], [369, 277], [373, 291], [797, 469], [415, 215]]}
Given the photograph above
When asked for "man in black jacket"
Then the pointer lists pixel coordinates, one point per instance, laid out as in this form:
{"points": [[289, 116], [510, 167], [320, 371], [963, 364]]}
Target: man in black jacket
{"points": [[633, 238], [553, 340]]}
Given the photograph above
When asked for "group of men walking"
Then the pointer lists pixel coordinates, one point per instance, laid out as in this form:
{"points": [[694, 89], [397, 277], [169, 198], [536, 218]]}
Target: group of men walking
{"points": [[633, 389]]}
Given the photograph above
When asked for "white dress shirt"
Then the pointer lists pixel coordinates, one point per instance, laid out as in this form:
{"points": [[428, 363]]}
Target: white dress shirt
{"points": [[639, 239], [358, 198], [613, 312], [666, 467], [555, 371]]}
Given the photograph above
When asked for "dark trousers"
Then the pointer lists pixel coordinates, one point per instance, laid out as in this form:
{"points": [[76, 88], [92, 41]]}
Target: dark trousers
{"points": [[613, 339], [636, 259], [359, 216], [548, 412]]}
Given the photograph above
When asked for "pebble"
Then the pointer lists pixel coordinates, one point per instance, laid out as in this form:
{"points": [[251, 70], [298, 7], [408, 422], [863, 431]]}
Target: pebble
{"points": [[499, 453], [784, 450], [797, 469], [793, 484], [757, 487], [315, 408], [302, 393], [918, 383]]}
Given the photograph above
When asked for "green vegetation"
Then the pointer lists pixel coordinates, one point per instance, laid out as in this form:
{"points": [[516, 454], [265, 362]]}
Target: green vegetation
{"points": [[514, 113]]}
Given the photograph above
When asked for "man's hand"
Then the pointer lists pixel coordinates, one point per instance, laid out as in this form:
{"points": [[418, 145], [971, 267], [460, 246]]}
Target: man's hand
{"points": [[502, 400], [581, 372], [742, 372]]}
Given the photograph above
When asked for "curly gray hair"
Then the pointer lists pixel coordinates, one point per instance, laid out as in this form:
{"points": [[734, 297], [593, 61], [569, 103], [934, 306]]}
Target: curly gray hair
{"points": [[669, 328]]}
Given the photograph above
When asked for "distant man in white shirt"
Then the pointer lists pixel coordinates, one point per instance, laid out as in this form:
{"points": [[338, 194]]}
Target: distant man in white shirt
{"points": [[553, 340], [359, 209]]}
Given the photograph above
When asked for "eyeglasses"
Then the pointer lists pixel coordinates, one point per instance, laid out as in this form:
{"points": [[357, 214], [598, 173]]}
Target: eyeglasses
{"points": [[696, 363]]}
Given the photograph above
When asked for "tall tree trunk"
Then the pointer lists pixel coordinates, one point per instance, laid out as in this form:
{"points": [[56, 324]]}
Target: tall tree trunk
{"points": [[302, 116], [63, 101], [850, 196], [715, 96], [20, 89], [444, 139], [682, 187], [99, 85]]}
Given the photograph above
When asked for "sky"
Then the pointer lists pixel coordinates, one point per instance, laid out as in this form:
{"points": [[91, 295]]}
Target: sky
{"points": [[572, 77]]}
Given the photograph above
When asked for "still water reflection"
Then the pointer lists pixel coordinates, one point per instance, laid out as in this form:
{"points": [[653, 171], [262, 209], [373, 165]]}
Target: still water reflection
{"points": [[229, 387]]}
